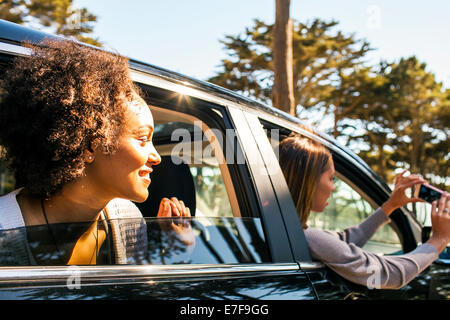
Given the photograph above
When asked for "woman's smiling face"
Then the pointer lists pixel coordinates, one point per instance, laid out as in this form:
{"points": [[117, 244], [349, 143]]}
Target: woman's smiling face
{"points": [[126, 173]]}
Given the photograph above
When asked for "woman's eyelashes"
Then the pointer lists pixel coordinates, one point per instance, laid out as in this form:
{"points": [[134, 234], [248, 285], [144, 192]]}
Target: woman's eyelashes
{"points": [[145, 139], [143, 135]]}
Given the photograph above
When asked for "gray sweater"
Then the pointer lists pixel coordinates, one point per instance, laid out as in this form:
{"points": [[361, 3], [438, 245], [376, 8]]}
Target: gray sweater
{"points": [[341, 251], [128, 229]]}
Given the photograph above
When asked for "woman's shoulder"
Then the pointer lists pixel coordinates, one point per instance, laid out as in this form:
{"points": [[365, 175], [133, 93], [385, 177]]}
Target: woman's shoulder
{"points": [[326, 245], [317, 234], [122, 208], [10, 213]]}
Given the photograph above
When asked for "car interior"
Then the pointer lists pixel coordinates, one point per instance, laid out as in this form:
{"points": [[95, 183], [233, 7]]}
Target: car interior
{"points": [[194, 169], [187, 164]]}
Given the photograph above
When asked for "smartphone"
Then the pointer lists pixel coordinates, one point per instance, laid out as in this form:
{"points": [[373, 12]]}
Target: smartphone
{"points": [[427, 192]]}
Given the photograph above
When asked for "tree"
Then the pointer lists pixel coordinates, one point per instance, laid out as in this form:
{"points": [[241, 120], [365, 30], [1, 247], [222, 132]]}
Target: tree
{"points": [[283, 89], [421, 118], [399, 118], [360, 120], [9, 10], [59, 15], [391, 114], [320, 57]]}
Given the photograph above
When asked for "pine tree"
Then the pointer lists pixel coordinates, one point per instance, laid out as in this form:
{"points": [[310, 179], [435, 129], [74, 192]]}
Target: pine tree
{"points": [[320, 56], [60, 16], [283, 86]]}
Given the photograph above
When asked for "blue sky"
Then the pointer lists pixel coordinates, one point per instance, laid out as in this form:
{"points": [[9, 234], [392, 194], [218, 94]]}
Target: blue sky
{"points": [[184, 35]]}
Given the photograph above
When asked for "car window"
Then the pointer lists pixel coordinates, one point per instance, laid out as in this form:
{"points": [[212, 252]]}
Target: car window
{"points": [[422, 212], [348, 206], [193, 168], [217, 240], [197, 167], [184, 143]]}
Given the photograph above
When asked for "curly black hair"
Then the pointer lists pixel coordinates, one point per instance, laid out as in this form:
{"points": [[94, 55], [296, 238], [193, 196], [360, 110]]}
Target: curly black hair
{"points": [[63, 99]]}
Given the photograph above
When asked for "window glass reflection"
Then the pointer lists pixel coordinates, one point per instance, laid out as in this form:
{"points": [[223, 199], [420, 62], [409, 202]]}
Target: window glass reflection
{"points": [[158, 241]]}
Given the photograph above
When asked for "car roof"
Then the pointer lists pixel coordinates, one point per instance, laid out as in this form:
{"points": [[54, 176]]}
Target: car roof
{"points": [[17, 34]]}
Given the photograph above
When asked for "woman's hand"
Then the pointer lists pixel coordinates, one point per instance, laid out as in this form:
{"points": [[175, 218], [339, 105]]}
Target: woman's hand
{"points": [[174, 208], [398, 197], [440, 221]]}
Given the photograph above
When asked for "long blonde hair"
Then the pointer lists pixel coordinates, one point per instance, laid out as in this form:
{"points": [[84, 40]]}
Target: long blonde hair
{"points": [[303, 161]]}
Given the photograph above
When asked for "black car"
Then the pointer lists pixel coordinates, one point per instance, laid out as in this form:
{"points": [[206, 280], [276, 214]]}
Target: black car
{"points": [[249, 242]]}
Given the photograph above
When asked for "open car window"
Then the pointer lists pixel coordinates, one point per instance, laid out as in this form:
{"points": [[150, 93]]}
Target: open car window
{"points": [[348, 205], [193, 167]]}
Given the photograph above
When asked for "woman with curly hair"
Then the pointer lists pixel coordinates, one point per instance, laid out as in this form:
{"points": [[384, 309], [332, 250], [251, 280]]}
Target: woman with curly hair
{"points": [[309, 171], [79, 139]]}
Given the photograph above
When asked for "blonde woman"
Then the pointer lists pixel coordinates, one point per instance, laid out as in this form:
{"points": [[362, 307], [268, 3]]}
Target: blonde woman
{"points": [[309, 171]]}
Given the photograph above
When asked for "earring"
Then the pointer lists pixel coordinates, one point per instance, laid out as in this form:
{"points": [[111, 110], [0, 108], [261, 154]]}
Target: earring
{"points": [[90, 158]]}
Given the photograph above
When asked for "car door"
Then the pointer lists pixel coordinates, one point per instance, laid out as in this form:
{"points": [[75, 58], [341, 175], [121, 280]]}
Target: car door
{"points": [[326, 283], [241, 251], [359, 192], [402, 235]]}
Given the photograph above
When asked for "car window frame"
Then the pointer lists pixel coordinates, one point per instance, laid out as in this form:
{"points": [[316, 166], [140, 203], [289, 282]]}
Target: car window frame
{"points": [[209, 115], [234, 118], [288, 213], [399, 220], [373, 205], [367, 181]]}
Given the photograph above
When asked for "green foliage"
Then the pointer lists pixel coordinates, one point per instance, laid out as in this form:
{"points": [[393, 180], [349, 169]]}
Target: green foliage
{"points": [[403, 119], [392, 114], [9, 10], [7, 181], [59, 15], [320, 56], [420, 119]]}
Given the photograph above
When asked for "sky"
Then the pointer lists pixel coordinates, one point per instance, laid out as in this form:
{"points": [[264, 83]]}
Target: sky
{"points": [[184, 35]]}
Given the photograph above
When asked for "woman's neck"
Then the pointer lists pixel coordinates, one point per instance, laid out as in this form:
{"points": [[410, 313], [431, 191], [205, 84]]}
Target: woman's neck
{"points": [[76, 202]]}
